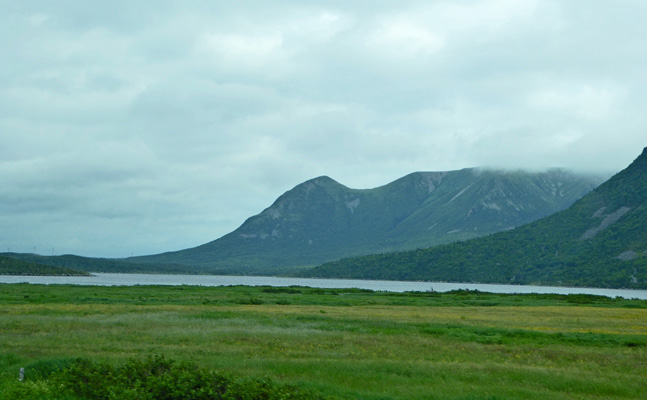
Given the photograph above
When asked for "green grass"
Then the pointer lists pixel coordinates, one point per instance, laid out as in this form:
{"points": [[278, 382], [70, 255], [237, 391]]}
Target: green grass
{"points": [[347, 343]]}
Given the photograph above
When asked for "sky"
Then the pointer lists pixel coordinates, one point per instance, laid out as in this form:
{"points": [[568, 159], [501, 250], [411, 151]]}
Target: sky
{"points": [[139, 127]]}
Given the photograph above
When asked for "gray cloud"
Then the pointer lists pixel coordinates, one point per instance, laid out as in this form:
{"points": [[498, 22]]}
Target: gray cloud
{"points": [[142, 127]]}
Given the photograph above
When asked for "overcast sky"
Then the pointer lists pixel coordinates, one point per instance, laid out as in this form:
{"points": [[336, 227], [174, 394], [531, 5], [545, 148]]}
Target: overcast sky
{"points": [[137, 127]]}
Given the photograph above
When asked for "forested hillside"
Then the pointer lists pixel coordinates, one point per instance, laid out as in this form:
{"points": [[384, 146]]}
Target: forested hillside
{"points": [[73, 262], [12, 266]]}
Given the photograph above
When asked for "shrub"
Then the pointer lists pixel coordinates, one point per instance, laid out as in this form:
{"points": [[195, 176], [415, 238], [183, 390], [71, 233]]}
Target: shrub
{"points": [[43, 369], [155, 378]]}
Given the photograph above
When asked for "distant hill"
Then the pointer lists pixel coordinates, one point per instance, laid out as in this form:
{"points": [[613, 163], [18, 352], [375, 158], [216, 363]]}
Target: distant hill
{"points": [[600, 241], [321, 220], [90, 264], [12, 266]]}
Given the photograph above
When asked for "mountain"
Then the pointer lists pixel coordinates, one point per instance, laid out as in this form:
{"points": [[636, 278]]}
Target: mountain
{"points": [[600, 241], [322, 220]]}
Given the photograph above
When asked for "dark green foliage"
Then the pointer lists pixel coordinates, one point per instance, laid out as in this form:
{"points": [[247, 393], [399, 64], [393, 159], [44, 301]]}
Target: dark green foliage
{"points": [[43, 369], [153, 378], [156, 378], [601, 241], [80, 264], [12, 266]]}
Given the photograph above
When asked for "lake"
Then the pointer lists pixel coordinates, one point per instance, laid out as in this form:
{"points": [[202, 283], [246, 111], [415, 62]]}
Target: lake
{"points": [[108, 279]]}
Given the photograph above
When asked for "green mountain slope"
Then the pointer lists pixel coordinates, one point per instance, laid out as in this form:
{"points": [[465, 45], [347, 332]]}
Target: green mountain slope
{"points": [[321, 220], [599, 241], [90, 264], [12, 266]]}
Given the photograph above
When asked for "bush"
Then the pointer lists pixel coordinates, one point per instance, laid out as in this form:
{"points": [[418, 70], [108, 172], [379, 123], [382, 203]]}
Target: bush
{"points": [[40, 370], [154, 378]]}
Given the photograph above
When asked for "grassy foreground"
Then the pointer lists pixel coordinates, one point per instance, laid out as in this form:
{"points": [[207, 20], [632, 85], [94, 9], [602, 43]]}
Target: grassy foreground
{"points": [[341, 343]]}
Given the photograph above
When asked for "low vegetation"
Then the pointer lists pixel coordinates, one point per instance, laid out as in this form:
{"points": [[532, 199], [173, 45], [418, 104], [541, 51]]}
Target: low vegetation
{"points": [[240, 342]]}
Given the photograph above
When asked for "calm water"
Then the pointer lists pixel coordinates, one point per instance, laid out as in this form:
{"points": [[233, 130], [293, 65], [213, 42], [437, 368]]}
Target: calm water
{"points": [[103, 279]]}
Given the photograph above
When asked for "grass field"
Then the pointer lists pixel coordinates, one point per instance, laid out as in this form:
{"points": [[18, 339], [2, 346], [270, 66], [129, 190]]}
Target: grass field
{"points": [[352, 344]]}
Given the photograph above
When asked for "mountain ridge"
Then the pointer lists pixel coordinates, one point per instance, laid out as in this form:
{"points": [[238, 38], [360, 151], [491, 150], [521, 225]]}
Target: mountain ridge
{"points": [[321, 219]]}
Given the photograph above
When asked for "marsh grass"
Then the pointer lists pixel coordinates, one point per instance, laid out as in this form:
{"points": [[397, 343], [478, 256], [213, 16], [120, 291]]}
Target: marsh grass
{"points": [[347, 343]]}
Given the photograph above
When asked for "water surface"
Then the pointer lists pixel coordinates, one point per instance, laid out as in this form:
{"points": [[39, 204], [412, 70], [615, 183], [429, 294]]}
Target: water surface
{"points": [[110, 279]]}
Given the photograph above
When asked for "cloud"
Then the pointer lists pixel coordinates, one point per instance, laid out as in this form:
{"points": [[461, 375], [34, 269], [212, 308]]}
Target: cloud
{"points": [[405, 39], [582, 102], [142, 127]]}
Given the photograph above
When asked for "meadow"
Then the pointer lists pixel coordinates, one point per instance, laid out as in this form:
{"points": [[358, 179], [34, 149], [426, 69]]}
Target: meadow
{"points": [[337, 343]]}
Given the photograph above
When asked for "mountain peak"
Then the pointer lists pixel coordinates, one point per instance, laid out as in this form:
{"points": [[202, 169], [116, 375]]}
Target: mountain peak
{"points": [[322, 181]]}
